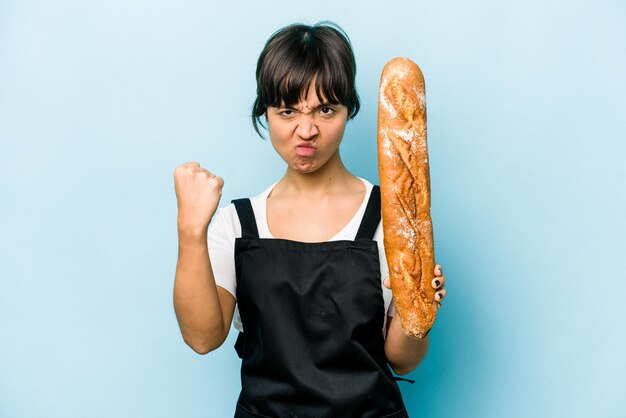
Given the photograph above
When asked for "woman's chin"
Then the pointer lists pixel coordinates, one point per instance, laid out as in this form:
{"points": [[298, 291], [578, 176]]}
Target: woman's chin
{"points": [[304, 166], [304, 170]]}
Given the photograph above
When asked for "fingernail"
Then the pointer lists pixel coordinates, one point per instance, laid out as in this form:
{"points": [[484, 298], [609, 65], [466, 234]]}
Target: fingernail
{"points": [[437, 282]]}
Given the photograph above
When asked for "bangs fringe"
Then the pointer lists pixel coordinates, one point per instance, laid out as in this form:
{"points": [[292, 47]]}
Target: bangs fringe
{"points": [[293, 87]]}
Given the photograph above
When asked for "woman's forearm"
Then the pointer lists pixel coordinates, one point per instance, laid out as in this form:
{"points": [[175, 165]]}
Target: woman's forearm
{"points": [[196, 300], [403, 352]]}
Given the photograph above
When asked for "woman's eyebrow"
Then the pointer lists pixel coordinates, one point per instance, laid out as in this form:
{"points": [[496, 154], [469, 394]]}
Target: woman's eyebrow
{"points": [[324, 104], [314, 108], [319, 106]]}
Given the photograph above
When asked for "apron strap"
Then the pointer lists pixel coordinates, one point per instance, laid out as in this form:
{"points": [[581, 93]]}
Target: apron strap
{"points": [[246, 218], [371, 218], [396, 378]]}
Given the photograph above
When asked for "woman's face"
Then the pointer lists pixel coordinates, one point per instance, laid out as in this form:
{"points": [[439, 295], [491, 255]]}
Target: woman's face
{"points": [[307, 135]]}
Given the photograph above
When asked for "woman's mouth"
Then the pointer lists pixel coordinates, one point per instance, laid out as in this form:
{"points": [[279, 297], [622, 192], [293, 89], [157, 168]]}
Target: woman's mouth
{"points": [[305, 150]]}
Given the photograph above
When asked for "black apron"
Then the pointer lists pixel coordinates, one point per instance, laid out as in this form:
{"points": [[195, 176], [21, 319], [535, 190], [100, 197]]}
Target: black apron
{"points": [[312, 315]]}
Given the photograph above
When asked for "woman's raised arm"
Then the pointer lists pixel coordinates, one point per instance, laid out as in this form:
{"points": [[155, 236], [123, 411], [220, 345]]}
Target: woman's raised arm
{"points": [[204, 310]]}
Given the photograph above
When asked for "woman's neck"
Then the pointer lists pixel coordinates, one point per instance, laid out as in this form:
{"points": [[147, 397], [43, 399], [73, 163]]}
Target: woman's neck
{"points": [[331, 178]]}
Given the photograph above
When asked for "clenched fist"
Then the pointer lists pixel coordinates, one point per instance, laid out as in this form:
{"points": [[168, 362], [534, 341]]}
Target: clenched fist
{"points": [[198, 193]]}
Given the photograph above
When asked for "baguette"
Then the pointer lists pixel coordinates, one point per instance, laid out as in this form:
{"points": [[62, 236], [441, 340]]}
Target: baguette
{"points": [[405, 194]]}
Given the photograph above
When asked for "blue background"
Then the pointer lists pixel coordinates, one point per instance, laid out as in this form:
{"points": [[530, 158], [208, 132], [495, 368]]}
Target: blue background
{"points": [[100, 101]]}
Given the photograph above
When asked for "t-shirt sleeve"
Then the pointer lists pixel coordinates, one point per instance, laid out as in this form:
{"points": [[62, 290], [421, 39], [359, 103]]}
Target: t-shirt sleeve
{"points": [[221, 243], [384, 271]]}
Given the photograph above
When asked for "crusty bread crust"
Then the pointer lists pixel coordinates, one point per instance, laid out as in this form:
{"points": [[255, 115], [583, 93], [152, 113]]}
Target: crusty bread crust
{"points": [[405, 194]]}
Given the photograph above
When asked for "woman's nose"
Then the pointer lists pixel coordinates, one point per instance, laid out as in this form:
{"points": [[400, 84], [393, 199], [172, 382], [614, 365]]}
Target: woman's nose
{"points": [[306, 127]]}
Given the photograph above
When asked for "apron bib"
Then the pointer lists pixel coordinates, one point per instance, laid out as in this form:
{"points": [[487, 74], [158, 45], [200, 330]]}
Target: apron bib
{"points": [[312, 315]]}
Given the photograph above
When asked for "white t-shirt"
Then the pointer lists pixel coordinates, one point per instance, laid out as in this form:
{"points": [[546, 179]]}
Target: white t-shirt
{"points": [[225, 227]]}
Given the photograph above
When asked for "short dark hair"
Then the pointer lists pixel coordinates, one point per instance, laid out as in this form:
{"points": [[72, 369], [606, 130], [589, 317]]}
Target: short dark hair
{"points": [[296, 54]]}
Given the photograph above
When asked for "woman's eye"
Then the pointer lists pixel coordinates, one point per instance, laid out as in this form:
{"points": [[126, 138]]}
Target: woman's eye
{"points": [[327, 111], [286, 113]]}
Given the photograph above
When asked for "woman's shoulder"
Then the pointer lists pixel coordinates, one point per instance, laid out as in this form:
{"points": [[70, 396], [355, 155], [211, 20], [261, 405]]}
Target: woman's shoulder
{"points": [[368, 185], [225, 222], [226, 219]]}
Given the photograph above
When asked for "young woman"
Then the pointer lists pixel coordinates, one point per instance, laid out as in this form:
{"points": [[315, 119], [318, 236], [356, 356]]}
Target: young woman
{"points": [[300, 267]]}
